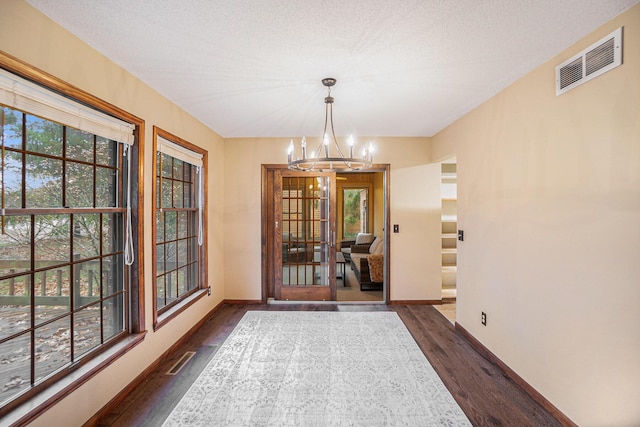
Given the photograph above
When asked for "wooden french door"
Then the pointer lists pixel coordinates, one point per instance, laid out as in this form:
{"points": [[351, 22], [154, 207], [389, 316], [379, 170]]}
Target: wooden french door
{"points": [[305, 229]]}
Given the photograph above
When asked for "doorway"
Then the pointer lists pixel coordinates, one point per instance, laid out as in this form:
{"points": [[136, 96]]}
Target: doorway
{"points": [[302, 229], [360, 210]]}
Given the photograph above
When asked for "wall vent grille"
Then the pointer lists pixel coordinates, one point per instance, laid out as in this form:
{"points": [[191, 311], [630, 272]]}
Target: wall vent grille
{"points": [[177, 367], [597, 59]]}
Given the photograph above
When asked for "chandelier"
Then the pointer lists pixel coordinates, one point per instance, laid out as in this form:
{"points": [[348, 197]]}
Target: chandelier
{"points": [[322, 159]]}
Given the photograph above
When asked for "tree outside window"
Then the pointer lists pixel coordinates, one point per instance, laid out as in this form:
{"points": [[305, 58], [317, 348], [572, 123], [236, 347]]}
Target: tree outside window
{"points": [[62, 281], [355, 211]]}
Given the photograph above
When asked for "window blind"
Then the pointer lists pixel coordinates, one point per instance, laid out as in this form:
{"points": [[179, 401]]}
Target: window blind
{"points": [[21, 94], [31, 98], [176, 151]]}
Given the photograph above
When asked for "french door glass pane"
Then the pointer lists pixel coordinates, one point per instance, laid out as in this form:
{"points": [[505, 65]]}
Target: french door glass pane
{"points": [[305, 231]]}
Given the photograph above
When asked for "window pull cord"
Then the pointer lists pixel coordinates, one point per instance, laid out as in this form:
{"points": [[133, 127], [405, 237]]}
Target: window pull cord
{"points": [[200, 204], [2, 212], [129, 255]]}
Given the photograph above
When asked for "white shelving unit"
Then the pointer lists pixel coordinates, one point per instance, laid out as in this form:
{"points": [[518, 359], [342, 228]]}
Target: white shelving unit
{"points": [[449, 230]]}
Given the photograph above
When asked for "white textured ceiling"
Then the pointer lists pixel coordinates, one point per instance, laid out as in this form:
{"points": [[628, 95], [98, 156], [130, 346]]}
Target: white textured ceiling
{"points": [[252, 68]]}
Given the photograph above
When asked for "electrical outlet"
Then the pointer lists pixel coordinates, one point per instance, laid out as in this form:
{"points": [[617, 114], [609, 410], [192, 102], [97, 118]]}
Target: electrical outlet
{"points": [[483, 318]]}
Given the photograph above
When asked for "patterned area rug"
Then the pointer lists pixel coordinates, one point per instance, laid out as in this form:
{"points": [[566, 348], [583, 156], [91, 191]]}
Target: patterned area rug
{"points": [[318, 369]]}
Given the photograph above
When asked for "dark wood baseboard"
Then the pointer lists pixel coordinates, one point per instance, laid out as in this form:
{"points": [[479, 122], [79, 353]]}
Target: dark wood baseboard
{"points": [[113, 403], [416, 302], [243, 301], [535, 395]]}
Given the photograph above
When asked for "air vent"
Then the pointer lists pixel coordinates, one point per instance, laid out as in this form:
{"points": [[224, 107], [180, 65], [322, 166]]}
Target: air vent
{"points": [[177, 367], [597, 59]]}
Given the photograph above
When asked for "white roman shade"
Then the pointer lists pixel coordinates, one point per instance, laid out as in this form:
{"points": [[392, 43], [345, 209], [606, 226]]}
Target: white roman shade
{"points": [[178, 152], [23, 95], [31, 98]]}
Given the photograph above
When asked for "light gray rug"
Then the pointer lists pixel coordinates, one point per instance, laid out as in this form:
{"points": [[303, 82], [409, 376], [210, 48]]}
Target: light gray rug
{"points": [[318, 369]]}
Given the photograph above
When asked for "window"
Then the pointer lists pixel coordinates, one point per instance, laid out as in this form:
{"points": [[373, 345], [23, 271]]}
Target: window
{"points": [[179, 225], [65, 226], [355, 211]]}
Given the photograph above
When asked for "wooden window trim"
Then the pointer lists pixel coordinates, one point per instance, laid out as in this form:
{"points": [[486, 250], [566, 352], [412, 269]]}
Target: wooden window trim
{"points": [[137, 329], [188, 300]]}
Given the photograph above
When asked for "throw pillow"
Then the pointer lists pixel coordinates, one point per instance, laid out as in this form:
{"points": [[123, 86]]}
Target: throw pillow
{"points": [[376, 268], [379, 249], [364, 238], [374, 245]]}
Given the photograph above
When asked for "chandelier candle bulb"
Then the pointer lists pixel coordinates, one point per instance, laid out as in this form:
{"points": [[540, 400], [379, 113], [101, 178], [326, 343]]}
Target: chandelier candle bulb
{"points": [[290, 150], [326, 148], [351, 143], [303, 144]]}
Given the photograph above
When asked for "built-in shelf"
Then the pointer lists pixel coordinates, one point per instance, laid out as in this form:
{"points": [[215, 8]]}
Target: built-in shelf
{"points": [[449, 220], [449, 256]]}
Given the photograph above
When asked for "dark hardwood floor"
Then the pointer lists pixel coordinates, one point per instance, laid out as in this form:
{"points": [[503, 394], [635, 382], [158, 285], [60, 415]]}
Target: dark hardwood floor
{"points": [[485, 394]]}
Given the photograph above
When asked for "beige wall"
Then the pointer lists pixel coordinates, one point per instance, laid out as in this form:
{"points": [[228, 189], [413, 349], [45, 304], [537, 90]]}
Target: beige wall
{"points": [[33, 38], [549, 198], [415, 251]]}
